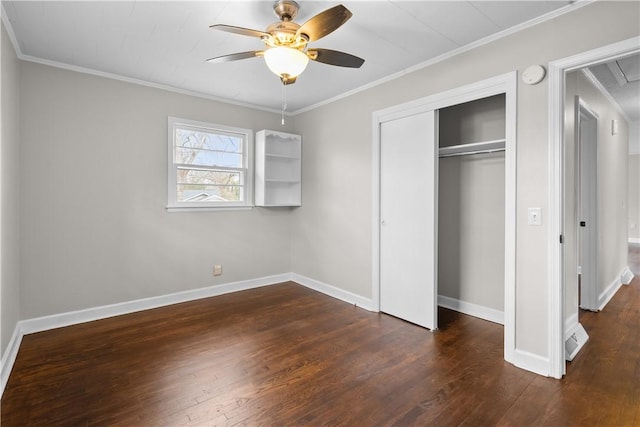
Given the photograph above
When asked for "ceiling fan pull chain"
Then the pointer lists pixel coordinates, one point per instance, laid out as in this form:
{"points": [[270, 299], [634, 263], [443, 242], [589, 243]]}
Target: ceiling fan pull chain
{"points": [[284, 102]]}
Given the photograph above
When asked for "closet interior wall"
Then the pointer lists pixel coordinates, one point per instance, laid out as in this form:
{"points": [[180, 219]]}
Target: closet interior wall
{"points": [[471, 205]]}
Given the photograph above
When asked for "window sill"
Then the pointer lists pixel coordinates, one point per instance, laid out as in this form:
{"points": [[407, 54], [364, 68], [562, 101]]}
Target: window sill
{"points": [[207, 208]]}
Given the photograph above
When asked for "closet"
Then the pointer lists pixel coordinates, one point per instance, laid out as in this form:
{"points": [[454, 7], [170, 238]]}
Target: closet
{"points": [[471, 207]]}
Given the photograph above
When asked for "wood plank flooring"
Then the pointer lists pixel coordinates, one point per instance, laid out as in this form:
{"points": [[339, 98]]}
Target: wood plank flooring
{"points": [[285, 355]]}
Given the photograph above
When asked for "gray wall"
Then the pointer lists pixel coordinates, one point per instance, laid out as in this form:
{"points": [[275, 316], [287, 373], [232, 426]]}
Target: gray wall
{"points": [[476, 121], [613, 152], [9, 193], [471, 229], [471, 204], [634, 182], [94, 227], [332, 231], [634, 197], [612, 179]]}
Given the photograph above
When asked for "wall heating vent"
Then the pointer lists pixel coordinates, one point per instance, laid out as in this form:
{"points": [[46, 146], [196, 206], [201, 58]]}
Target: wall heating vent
{"points": [[572, 345]]}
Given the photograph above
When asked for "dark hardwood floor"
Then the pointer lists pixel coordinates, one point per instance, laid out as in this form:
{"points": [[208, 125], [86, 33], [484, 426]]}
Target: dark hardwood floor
{"points": [[285, 355]]}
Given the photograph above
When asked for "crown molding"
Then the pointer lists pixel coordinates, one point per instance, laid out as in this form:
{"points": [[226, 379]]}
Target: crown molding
{"points": [[481, 42]]}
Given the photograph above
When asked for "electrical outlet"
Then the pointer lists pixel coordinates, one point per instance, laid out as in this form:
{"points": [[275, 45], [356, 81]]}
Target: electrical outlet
{"points": [[217, 270]]}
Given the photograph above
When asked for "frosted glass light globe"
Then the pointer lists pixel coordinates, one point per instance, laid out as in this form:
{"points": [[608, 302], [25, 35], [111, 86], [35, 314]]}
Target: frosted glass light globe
{"points": [[286, 61]]}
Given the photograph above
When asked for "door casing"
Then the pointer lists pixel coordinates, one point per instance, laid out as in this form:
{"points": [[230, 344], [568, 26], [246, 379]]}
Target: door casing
{"points": [[555, 251]]}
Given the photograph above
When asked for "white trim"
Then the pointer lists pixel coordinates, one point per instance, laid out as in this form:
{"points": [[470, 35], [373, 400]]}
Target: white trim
{"points": [[471, 309], [531, 362], [555, 259], [570, 324], [510, 215], [481, 89], [635, 240], [9, 356], [478, 43], [334, 292], [606, 295], [626, 276], [173, 205], [102, 312], [146, 83], [39, 324], [555, 280], [507, 84], [486, 40]]}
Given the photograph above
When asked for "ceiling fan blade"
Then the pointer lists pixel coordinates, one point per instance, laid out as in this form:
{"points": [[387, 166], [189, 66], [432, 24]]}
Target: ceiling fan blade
{"points": [[324, 23], [335, 57], [235, 56], [240, 30]]}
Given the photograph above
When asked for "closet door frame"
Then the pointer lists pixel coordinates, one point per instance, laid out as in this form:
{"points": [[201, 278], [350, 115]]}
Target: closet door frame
{"points": [[502, 84]]}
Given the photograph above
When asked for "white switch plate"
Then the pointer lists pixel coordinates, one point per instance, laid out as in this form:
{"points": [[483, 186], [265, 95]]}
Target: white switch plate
{"points": [[535, 216]]}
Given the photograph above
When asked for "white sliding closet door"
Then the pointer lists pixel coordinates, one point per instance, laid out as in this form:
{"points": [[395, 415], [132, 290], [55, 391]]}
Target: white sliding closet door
{"points": [[408, 214]]}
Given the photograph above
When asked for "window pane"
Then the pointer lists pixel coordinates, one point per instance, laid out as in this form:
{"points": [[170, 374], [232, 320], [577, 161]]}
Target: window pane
{"points": [[211, 186], [208, 193], [191, 156], [208, 141]]}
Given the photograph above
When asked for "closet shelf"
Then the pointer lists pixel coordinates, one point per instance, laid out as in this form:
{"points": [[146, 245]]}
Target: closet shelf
{"points": [[472, 148]]}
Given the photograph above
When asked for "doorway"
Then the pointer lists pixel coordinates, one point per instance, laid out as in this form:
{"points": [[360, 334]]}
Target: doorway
{"points": [[557, 265], [587, 204]]}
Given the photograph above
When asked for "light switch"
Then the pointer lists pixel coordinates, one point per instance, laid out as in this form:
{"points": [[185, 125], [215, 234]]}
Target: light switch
{"points": [[535, 216]]}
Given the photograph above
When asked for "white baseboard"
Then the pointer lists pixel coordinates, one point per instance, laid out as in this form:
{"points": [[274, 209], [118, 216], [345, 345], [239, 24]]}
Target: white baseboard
{"points": [[531, 362], [29, 326], [39, 324], [627, 276], [475, 310], [334, 292], [9, 357], [607, 294], [634, 240], [96, 313]]}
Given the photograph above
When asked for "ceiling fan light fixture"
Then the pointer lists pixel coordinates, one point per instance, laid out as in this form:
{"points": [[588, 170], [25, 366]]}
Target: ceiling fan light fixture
{"points": [[285, 61]]}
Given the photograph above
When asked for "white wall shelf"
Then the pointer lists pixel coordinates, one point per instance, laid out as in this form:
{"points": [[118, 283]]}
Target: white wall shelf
{"points": [[278, 167]]}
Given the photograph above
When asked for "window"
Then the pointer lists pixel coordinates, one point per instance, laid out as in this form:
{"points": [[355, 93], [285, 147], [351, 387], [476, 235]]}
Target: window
{"points": [[209, 165]]}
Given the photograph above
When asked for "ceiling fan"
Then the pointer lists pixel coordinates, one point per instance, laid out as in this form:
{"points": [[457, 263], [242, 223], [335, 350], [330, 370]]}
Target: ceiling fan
{"points": [[286, 43]]}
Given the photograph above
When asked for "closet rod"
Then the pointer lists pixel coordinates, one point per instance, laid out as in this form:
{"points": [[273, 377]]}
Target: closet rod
{"points": [[469, 153]]}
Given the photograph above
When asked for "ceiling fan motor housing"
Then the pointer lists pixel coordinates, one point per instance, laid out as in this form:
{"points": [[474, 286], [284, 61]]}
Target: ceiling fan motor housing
{"points": [[284, 33]]}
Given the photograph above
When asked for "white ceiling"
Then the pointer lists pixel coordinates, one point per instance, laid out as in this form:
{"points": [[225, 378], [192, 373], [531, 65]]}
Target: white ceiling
{"points": [[621, 78], [167, 43]]}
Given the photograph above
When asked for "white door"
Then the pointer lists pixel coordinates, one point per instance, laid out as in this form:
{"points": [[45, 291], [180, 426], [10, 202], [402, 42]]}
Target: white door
{"points": [[408, 214], [588, 206]]}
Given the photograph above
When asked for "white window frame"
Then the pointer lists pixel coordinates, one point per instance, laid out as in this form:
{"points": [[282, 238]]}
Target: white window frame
{"points": [[247, 169]]}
